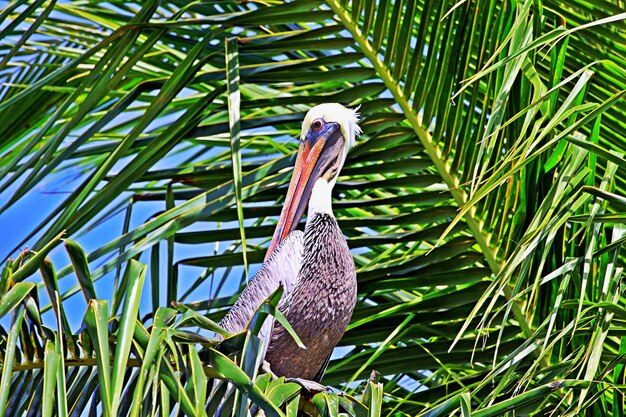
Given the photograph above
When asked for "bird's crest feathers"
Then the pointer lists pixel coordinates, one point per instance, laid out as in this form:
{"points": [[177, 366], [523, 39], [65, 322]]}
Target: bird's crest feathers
{"points": [[334, 112]]}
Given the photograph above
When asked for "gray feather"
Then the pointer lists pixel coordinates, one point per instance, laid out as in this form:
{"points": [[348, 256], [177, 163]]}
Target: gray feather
{"points": [[281, 268]]}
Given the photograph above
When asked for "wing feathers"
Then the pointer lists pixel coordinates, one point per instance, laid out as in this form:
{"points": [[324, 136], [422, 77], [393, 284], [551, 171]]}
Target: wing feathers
{"points": [[281, 268]]}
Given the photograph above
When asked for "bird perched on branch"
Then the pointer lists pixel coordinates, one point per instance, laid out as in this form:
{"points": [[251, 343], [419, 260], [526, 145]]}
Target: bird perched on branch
{"points": [[315, 268]]}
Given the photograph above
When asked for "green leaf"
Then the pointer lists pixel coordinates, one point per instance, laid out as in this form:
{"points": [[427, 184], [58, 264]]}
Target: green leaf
{"points": [[199, 384], [251, 358], [96, 320], [466, 405], [234, 124], [9, 359], [50, 378], [136, 273], [283, 393], [191, 316], [162, 318], [375, 399], [327, 404], [81, 268], [14, 297], [228, 370], [35, 261]]}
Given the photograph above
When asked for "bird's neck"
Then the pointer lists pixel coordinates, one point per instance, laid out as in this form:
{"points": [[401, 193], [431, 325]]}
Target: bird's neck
{"points": [[321, 198]]}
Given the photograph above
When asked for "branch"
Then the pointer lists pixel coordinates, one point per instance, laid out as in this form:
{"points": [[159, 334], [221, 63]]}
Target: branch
{"points": [[93, 362]]}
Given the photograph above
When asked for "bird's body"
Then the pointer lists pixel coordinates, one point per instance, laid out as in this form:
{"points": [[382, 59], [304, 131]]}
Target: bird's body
{"points": [[320, 306], [316, 268]]}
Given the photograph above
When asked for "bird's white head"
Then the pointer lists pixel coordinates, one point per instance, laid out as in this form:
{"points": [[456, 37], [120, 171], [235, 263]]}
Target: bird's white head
{"points": [[328, 132], [334, 113]]}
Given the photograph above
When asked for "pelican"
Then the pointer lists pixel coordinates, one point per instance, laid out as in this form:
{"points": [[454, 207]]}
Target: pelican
{"points": [[315, 268]]}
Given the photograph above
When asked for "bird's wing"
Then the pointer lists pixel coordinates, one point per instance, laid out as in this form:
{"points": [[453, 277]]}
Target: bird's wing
{"points": [[281, 268]]}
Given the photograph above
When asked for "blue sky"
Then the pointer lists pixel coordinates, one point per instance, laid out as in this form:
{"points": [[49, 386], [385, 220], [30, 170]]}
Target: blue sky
{"points": [[28, 212]]}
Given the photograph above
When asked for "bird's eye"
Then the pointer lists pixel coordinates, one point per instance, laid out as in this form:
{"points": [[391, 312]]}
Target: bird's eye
{"points": [[317, 124]]}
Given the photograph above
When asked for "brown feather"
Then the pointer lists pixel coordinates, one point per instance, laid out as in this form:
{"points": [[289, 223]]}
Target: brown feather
{"points": [[320, 306]]}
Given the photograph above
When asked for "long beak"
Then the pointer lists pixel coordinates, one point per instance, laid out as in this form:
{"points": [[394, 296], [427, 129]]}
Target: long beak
{"points": [[312, 160]]}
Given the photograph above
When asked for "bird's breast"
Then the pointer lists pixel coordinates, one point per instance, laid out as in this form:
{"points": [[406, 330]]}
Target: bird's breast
{"points": [[321, 304]]}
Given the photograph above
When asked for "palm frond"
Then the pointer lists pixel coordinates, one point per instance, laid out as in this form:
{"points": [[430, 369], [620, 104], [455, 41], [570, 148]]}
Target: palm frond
{"points": [[483, 203]]}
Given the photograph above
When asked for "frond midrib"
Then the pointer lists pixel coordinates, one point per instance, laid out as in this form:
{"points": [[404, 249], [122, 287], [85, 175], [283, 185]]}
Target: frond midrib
{"points": [[474, 223]]}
